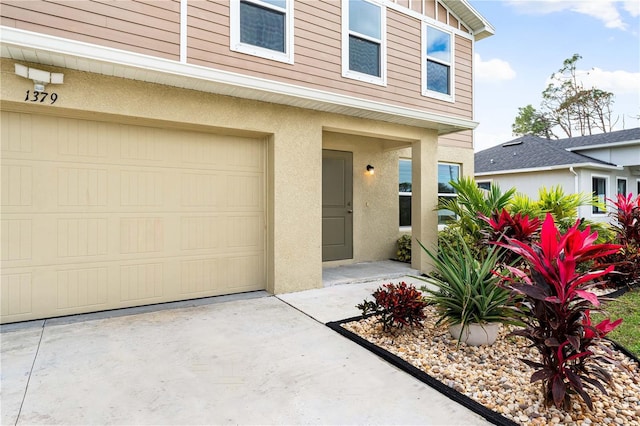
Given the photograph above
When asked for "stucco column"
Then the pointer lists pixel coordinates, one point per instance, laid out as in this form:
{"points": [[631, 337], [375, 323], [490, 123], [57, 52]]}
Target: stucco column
{"points": [[424, 219], [295, 200]]}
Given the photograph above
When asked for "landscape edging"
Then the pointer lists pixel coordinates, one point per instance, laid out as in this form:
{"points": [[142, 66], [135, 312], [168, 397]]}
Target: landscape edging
{"points": [[490, 415]]}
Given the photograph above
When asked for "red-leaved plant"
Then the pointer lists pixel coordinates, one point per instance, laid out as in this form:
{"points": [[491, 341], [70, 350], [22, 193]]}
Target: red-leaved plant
{"points": [[396, 304], [556, 310], [503, 224], [626, 223]]}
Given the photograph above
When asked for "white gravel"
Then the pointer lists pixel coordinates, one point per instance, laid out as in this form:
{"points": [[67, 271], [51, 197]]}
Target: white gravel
{"points": [[495, 377]]}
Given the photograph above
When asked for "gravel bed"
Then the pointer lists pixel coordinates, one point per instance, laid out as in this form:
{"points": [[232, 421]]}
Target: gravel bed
{"points": [[496, 378]]}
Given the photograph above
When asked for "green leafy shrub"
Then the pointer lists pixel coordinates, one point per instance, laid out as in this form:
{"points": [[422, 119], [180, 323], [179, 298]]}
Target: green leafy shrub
{"points": [[396, 305], [470, 201], [403, 254]]}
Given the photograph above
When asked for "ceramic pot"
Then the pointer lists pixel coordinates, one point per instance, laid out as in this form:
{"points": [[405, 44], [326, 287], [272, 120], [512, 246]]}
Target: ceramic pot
{"points": [[475, 334]]}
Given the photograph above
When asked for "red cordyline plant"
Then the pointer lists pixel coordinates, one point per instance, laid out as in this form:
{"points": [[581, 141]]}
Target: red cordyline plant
{"points": [[396, 304], [503, 224], [556, 310], [626, 215], [626, 223]]}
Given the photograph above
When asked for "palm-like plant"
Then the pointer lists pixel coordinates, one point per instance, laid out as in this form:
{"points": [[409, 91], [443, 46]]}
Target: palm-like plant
{"points": [[471, 200]]}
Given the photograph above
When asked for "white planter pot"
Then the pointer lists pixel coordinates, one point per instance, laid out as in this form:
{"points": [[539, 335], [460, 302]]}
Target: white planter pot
{"points": [[476, 334]]}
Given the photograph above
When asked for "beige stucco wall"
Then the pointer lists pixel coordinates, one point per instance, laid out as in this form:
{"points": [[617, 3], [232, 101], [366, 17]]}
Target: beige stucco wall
{"points": [[295, 137]]}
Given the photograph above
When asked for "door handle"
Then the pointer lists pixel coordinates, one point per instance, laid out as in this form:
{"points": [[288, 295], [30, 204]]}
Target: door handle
{"points": [[349, 211]]}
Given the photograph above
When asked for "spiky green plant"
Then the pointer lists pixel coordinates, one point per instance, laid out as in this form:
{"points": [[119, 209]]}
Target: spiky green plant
{"points": [[464, 286], [470, 201]]}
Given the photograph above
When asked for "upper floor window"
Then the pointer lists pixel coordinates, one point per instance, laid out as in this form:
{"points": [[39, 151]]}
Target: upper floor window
{"points": [[263, 28], [447, 173], [364, 41], [599, 189], [437, 63]]}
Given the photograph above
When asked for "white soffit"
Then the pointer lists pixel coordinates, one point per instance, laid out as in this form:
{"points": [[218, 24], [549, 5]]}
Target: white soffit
{"points": [[43, 49]]}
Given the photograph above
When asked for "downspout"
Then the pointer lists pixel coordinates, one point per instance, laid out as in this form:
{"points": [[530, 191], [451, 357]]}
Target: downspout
{"points": [[576, 186]]}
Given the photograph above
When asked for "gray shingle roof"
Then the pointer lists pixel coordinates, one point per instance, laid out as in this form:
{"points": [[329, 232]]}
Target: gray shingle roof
{"points": [[528, 152], [601, 139]]}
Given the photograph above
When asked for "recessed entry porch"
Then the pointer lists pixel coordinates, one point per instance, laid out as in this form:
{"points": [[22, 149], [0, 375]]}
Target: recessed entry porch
{"points": [[365, 271]]}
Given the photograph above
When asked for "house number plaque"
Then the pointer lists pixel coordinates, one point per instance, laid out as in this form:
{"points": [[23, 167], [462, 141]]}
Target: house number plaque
{"points": [[40, 97]]}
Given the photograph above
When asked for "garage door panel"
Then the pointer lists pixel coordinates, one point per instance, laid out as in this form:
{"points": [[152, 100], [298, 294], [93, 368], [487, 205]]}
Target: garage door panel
{"points": [[105, 215]]}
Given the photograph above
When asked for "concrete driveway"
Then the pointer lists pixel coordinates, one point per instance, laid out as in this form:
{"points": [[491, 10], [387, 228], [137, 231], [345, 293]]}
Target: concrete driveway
{"points": [[253, 359]]}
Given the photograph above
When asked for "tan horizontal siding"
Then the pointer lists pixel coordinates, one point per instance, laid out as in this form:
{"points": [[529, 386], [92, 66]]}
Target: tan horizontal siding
{"points": [[461, 139], [318, 56], [151, 28]]}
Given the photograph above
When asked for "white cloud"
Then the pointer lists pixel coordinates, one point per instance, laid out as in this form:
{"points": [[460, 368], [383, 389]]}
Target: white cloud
{"points": [[618, 82], [493, 69], [632, 6], [603, 10]]}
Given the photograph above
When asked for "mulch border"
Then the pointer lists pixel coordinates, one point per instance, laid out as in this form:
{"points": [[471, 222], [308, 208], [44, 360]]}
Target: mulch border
{"points": [[490, 415]]}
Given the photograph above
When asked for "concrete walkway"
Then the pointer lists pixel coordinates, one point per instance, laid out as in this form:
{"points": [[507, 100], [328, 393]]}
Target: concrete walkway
{"points": [[248, 359]]}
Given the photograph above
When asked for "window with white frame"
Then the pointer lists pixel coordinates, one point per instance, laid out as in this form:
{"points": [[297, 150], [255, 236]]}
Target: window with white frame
{"points": [[599, 190], [404, 191], [364, 41], [263, 28], [621, 184], [437, 63], [446, 174], [484, 184]]}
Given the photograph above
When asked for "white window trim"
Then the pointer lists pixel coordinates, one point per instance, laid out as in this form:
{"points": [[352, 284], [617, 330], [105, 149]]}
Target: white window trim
{"points": [[346, 72], [626, 184], [607, 191], [446, 194], [432, 93], [405, 193], [237, 46]]}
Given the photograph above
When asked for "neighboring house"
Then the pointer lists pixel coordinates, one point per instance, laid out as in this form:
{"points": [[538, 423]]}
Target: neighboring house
{"points": [[605, 164], [190, 148]]}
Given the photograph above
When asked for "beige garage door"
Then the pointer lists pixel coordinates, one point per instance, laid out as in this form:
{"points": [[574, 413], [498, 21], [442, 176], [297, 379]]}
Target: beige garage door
{"points": [[98, 215]]}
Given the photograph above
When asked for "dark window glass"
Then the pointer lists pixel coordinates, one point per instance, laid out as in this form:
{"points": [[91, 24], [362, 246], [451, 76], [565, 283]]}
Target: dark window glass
{"points": [[622, 186], [484, 185], [262, 27], [446, 174], [438, 77], [364, 56], [405, 210], [599, 187], [445, 216]]}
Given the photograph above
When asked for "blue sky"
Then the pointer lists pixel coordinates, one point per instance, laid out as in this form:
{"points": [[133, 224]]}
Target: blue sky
{"points": [[532, 40]]}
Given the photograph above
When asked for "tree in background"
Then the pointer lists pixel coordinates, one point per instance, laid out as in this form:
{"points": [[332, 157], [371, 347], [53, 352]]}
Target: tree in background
{"points": [[566, 104], [531, 122]]}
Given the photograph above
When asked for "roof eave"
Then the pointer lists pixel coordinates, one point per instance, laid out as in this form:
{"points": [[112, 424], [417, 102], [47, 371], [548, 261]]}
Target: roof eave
{"points": [[603, 145], [479, 25], [549, 168]]}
